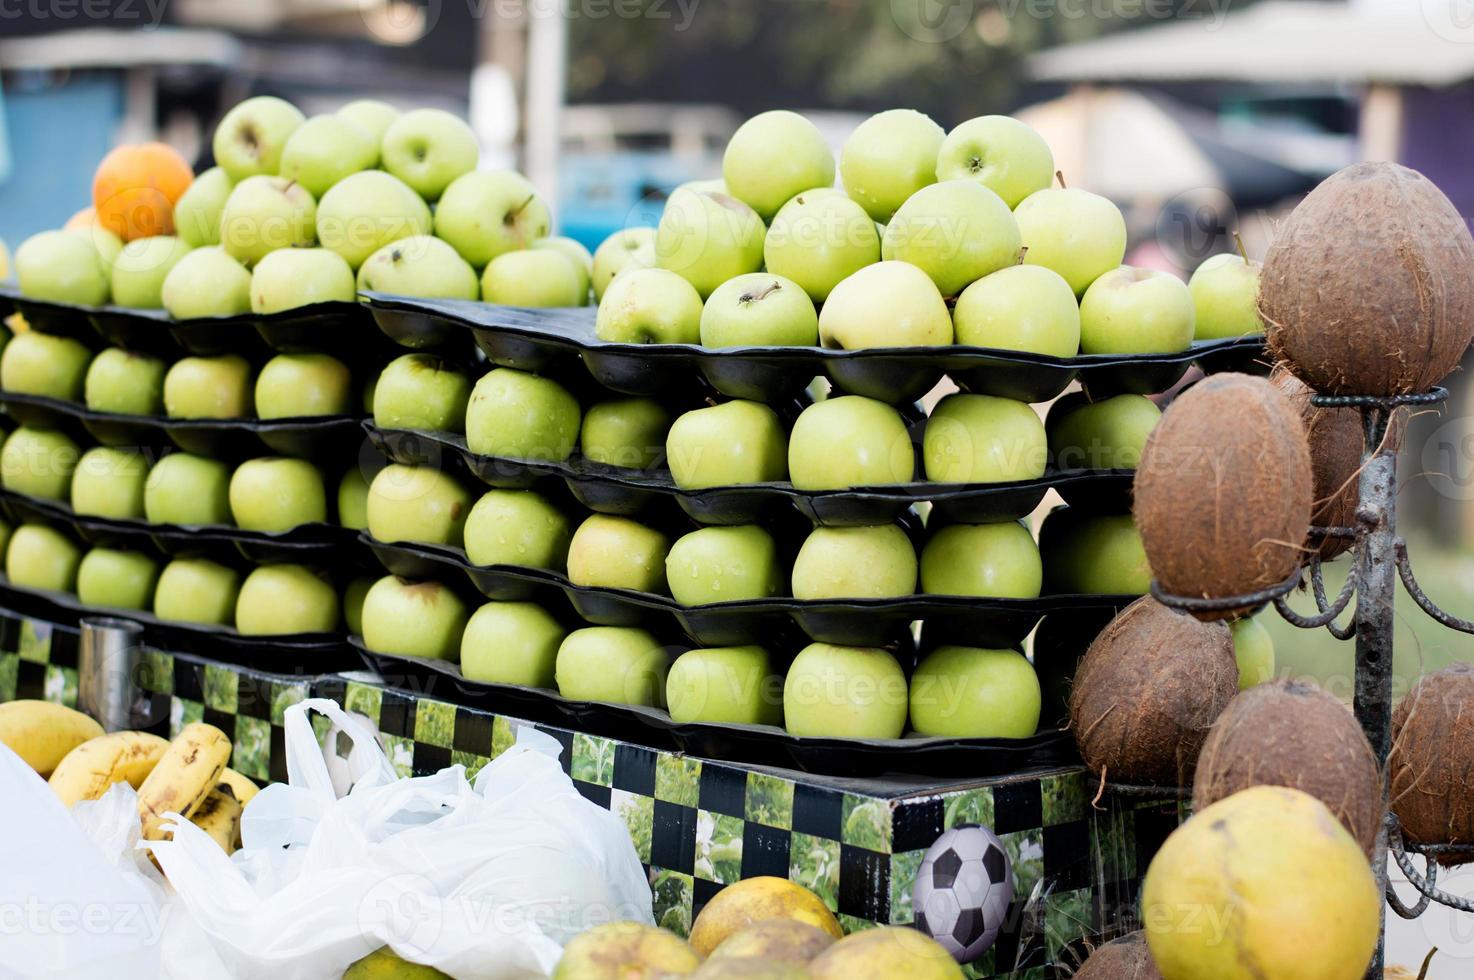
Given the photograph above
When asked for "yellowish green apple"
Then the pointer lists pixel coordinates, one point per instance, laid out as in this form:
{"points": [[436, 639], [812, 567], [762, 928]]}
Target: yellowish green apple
{"points": [[263, 214], [649, 306], [629, 248], [759, 309], [109, 483], [736, 442], [429, 148], [844, 692], [968, 692], [35, 363], [819, 239], [534, 278], [353, 491], [363, 212], [487, 213], [618, 553], [956, 232], [870, 562], [206, 282], [422, 266], [62, 267], [511, 643], [522, 416], [304, 385], [723, 564], [575, 252], [708, 238], [324, 150], [772, 157], [115, 579], [41, 557], [615, 664], [849, 441], [421, 391], [251, 137], [125, 383], [372, 115], [1106, 434], [993, 560], [1225, 291], [217, 387], [1253, 648], [1089, 554], [1004, 155], [140, 269], [197, 212], [197, 590], [1136, 311], [286, 598], [417, 503], [888, 304], [294, 277], [275, 493], [1020, 307], [889, 157], [413, 619], [983, 439], [1076, 233], [725, 686], [187, 490], [517, 527], [38, 463], [353, 597], [627, 432]]}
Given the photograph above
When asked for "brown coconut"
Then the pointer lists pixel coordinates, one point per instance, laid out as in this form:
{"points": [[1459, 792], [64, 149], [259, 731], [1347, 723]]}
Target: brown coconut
{"points": [[1431, 767], [1222, 496], [1292, 733], [1126, 958], [1368, 288], [1148, 690]]}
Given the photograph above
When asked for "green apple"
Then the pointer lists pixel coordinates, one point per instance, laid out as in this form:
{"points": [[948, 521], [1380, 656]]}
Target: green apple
{"points": [[1080, 235], [35, 363], [1020, 307], [263, 214], [983, 439], [141, 268], [372, 115], [209, 388], [116, 579], [353, 491], [511, 643], [819, 239], [993, 560], [628, 432], [41, 557], [206, 282], [649, 306], [365, 211], [1108, 434], [967, 692], [1093, 554], [889, 157], [108, 245], [956, 232], [197, 590], [759, 309], [617, 553], [1136, 311], [534, 278], [277, 494], [888, 304], [736, 442], [617, 664], [187, 490], [725, 686], [422, 266], [276, 600], [488, 213], [723, 564], [292, 277], [521, 416], [38, 463], [708, 238], [417, 503], [62, 267], [293, 386], [1253, 648], [353, 597], [324, 150], [421, 391], [575, 252], [772, 157], [414, 619], [1225, 291], [844, 692], [870, 562], [517, 527], [849, 441], [197, 212], [125, 383], [429, 148], [109, 483], [1004, 155], [629, 248], [251, 137]]}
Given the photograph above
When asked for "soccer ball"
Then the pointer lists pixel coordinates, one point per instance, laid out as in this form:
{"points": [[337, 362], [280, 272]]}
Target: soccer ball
{"points": [[962, 891]]}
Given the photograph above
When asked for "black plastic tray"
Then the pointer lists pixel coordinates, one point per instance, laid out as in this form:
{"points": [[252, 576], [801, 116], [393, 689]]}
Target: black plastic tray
{"points": [[612, 490], [753, 744], [536, 340]]}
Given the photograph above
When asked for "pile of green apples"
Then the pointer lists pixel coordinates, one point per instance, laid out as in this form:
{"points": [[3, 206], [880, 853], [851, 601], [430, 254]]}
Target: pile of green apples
{"points": [[299, 211]]}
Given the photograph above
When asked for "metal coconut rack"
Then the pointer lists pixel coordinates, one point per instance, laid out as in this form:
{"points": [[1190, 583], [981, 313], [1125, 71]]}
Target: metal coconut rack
{"points": [[1380, 560]]}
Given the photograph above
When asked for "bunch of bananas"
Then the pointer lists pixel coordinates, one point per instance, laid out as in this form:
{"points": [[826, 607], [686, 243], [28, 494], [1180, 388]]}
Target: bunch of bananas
{"points": [[188, 776]]}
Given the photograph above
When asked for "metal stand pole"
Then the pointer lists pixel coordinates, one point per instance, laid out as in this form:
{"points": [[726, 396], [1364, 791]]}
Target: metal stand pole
{"points": [[107, 668]]}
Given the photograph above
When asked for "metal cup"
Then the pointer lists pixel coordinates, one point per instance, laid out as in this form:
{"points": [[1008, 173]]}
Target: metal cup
{"points": [[107, 671]]}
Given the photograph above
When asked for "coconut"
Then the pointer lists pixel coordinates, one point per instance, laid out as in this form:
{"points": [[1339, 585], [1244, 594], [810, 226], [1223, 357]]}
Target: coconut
{"points": [[1292, 733], [1126, 958], [1223, 493], [1431, 767], [1368, 288], [1148, 690]]}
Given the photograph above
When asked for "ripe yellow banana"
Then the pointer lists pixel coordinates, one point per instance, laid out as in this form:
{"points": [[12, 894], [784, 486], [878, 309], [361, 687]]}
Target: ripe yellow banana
{"points": [[243, 788], [182, 779], [90, 768], [220, 817], [42, 733]]}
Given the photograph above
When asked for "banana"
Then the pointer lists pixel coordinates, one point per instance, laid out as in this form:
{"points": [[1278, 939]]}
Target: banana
{"points": [[42, 733], [220, 817], [121, 757], [181, 780], [242, 787]]}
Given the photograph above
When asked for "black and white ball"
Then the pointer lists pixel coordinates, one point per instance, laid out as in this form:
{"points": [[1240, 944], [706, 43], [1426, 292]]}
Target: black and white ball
{"points": [[962, 891]]}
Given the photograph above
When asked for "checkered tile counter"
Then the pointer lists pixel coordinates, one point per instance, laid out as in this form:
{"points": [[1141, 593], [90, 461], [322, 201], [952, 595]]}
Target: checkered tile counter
{"points": [[701, 824]]}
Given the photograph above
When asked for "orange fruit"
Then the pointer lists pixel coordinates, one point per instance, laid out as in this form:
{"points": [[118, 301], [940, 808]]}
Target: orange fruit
{"points": [[135, 188]]}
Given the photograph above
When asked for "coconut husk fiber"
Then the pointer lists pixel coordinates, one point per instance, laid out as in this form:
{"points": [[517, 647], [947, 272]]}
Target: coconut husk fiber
{"points": [[1431, 767], [1293, 733], [1126, 958], [1223, 492], [1147, 691], [1368, 288]]}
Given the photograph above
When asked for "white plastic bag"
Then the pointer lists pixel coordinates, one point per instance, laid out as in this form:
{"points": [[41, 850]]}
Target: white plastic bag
{"points": [[483, 882]]}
